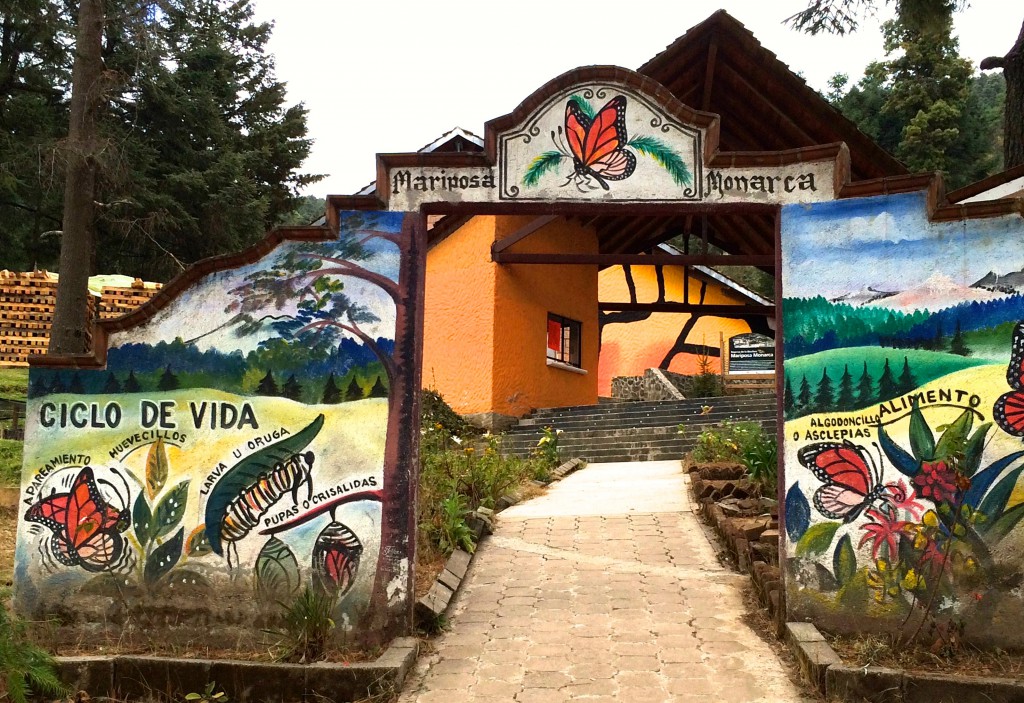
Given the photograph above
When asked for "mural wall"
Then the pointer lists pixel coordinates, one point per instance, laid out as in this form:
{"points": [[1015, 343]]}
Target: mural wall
{"points": [[237, 447], [904, 403]]}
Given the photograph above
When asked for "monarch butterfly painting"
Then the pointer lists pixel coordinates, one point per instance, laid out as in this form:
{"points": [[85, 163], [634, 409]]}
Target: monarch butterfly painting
{"points": [[598, 145], [85, 528]]}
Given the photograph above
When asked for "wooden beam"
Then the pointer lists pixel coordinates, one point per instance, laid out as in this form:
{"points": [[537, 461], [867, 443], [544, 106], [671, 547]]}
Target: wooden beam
{"points": [[521, 233], [636, 259], [692, 308], [709, 73]]}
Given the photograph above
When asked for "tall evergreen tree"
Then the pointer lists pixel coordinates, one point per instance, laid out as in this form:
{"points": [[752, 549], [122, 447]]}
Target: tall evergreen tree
{"points": [[823, 397], [112, 385], [354, 390], [845, 400], [803, 399], [865, 388], [332, 394], [168, 381], [957, 345], [788, 402], [906, 382], [76, 386], [292, 389], [379, 390], [887, 388], [131, 384], [267, 385]]}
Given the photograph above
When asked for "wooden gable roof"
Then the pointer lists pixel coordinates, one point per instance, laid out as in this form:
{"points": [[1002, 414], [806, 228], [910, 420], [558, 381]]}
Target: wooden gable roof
{"points": [[719, 66]]}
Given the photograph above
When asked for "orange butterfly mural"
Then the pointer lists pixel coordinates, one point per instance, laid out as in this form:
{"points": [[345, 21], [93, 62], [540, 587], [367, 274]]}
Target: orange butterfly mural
{"points": [[599, 147]]}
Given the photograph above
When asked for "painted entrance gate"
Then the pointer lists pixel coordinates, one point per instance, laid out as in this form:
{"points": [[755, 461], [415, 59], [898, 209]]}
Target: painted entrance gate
{"points": [[253, 430]]}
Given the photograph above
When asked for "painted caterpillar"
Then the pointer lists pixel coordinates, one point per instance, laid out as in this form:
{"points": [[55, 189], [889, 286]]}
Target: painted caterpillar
{"points": [[245, 510]]}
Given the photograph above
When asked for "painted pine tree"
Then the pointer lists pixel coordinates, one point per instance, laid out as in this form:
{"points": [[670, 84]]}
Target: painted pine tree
{"points": [[332, 394], [887, 387], [846, 400], [267, 385], [906, 382], [865, 388], [824, 396], [803, 400]]}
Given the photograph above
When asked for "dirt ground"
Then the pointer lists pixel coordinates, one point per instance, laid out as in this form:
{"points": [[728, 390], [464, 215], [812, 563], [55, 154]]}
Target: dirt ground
{"points": [[966, 660], [8, 525]]}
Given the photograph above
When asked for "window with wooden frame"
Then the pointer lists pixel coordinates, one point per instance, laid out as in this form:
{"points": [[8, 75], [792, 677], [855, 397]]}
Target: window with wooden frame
{"points": [[564, 340]]}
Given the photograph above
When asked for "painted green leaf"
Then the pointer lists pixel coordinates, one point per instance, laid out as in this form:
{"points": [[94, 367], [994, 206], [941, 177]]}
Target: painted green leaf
{"points": [[667, 157], [854, 595], [541, 165], [844, 561], [163, 558], [170, 509], [973, 449], [142, 520], [156, 468], [994, 502], [798, 513], [922, 441], [817, 539], [277, 572], [986, 477], [197, 545], [899, 457], [245, 473], [1001, 527], [954, 438]]}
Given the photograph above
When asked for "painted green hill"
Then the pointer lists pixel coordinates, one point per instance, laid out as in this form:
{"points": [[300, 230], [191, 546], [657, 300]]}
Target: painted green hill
{"points": [[924, 365]]}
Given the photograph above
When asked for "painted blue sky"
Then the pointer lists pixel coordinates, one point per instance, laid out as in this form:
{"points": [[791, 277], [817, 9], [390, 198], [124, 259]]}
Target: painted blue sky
{"points": [[887, 243]]}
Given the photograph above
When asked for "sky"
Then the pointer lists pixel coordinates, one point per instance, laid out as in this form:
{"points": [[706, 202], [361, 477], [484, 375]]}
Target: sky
{"points": [[845, 246], [393, 76]]}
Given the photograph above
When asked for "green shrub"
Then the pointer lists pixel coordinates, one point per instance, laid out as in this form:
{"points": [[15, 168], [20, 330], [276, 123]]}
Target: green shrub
{"points": [[727, 441], [546, 451], [761, 457], [307, 626], [24, 667]]}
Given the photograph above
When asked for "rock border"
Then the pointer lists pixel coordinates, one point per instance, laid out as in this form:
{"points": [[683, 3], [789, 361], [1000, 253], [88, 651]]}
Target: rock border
{"points": [[434, 605], [836, 681], [148, 677]]}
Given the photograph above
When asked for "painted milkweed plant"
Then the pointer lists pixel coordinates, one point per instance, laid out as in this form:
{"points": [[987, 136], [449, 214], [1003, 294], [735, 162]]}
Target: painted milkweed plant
{"points": [[924, 542]]}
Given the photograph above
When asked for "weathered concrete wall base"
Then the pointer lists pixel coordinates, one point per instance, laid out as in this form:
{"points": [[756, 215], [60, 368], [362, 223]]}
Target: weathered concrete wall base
{"points": [[144, 677], [836, 681], [495, 422]]}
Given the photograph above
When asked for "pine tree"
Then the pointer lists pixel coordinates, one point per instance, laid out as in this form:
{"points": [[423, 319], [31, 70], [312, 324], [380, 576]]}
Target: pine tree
{"points": [[939, 343], [267, 385], [76, 386], [168, 381], [292, 389], [906, 382], [112, 385], [788, 403], [865, 388], [38, 389], [803, 399], [957, 345], [332, 394], [354, 391], [131, 384], [823, 398], [379, 390], [846, 401], [887, 388]]}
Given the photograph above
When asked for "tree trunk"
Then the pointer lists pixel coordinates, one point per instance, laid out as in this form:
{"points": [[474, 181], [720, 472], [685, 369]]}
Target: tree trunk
{"points": [[69, 334], [1013, 115], [390, 615]]}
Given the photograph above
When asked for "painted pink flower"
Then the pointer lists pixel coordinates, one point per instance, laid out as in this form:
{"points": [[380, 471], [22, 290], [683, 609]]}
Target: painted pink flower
{"points": [[936, 481], [883, 529], [902, 497]]}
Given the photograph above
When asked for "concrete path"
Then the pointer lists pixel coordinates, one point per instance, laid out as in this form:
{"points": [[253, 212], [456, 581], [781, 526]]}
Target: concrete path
{"points": [[603, 589]]}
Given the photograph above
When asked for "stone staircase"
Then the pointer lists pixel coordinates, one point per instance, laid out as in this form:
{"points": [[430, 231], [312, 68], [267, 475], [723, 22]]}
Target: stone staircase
{"points": [[636, 431]]}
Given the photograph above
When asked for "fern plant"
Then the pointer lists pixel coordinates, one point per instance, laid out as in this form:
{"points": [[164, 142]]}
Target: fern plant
{"points": [[24, 667]]}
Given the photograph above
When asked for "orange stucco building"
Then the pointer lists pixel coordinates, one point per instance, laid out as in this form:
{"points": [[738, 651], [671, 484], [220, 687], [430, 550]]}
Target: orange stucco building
{"points": [[486, 325]]}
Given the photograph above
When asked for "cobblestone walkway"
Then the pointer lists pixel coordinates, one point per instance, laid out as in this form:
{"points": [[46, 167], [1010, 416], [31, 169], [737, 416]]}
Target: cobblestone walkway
{"points": [[603, 589]]}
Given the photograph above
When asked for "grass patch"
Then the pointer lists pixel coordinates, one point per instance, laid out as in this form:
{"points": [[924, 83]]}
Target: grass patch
{"points": [[14, 383], [10, 462]]}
